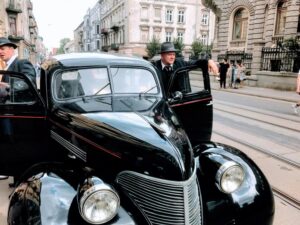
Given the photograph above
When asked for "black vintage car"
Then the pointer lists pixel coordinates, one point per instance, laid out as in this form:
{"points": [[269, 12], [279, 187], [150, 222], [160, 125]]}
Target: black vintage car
{"points": [[101, 142]]}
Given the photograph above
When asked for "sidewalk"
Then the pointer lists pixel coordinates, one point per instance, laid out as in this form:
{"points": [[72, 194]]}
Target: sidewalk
{"points": [[289, 96]]}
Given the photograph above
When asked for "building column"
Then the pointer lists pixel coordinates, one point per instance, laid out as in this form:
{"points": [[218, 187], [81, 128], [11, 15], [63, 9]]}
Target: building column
{"points": [[257, 56]]}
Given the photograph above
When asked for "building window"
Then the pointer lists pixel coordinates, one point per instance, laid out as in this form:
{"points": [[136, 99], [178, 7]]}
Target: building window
{"points": [[168, 36], [157, 35], [97, 29], [204, 39], [240, 25], [169, 15], [281, 17], [144, 13], [180, 16], [204, 19], [13, 25], [157, 14], [144, 35], [180, 36]]}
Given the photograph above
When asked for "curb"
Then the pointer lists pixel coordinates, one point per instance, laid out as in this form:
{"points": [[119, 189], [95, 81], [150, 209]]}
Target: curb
{"points": [[287, 99]]}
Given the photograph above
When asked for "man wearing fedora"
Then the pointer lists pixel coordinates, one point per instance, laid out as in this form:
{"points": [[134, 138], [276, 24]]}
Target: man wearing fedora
{"points": [[8, 55], [12, 63], [169, 63]]}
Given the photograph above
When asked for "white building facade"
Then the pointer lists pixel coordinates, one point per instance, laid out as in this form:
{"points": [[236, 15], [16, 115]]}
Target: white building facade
{"points": [[128, 25]]}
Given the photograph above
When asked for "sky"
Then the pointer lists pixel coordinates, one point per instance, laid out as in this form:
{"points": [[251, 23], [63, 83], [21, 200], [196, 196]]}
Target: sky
{"points": [[57, 19]]}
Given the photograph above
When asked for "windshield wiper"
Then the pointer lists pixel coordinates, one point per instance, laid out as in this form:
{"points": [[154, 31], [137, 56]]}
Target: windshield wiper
{"points": [[144, 92], [102, 88]]}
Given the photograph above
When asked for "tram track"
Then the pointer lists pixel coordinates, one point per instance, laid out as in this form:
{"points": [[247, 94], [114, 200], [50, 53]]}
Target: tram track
{"points": [[259, 149], [286, 198], [271, 139], [267, 117]]}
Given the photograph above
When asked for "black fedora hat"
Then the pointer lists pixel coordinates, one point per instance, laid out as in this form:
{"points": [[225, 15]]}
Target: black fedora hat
{"points": [[5, 41], [167, 47]]}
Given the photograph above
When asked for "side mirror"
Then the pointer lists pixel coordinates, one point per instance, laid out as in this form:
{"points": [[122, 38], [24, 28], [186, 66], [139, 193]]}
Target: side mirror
{"points": [[178, 95]]}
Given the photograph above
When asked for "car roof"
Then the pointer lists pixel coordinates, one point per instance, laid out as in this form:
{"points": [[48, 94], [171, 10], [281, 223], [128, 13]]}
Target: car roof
{"points": [[96, 59]]}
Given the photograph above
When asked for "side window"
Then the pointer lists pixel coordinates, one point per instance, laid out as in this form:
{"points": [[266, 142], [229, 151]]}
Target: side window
{"points": [[16, 91], [188, 82]]}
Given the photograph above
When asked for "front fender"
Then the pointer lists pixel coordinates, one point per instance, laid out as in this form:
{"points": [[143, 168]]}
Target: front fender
{"points": [[252, 203], [49, 199]]}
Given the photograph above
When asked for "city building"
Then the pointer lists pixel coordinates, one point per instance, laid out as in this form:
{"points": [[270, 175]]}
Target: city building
{"points": [[264, 34], [78, 39], [126, 26], [18, 24], [91, 29]]}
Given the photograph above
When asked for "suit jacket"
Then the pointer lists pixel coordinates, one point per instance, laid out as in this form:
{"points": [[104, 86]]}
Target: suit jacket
{"points": [[21, 66], [181, 83]]}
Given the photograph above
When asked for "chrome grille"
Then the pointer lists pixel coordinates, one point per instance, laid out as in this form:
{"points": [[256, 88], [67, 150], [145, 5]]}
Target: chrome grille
{"points": [[164, 202]]}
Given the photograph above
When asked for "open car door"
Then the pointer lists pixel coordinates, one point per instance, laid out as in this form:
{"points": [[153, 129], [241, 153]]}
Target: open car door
{"points": [[193, 103], [23, 133]]}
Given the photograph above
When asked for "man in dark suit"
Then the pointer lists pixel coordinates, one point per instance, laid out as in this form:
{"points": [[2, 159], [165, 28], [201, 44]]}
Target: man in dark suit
{"points": [[169, 63], [8, 55]]}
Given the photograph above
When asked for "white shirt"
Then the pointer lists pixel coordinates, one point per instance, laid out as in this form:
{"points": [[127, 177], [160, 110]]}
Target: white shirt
{"points": [[9, 62], [163, 65]]}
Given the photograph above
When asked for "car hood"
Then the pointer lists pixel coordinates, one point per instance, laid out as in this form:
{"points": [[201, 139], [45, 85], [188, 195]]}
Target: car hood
{"points": [[142, 133]]}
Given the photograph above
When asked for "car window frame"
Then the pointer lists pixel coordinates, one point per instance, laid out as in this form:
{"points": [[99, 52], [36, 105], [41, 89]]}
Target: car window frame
{"points": [[31, 86], [110, 80]]}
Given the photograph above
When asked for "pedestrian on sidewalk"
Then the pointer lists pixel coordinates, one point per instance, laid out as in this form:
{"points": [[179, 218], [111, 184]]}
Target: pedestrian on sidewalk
{"points": [[296, 105], [240, 73], [232, 71], [224, 66]]}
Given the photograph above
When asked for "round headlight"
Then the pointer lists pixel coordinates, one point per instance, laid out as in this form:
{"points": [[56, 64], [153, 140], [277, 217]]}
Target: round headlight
{"points": [[230, 176], [99, 204]]}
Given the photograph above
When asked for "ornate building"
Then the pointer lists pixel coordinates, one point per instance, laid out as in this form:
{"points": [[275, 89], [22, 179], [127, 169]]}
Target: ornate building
{"points": [[252, 29], [17, 23]]}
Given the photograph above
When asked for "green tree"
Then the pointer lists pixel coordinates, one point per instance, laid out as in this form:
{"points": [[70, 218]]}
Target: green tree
{"points": [[197, 48], [178, 44], [63, 42], [153, 47]]}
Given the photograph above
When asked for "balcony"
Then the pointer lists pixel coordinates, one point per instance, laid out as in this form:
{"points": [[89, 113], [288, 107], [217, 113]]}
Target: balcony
{"points": [[104, 31], [115, 28], [13, 9], [15, 38]]}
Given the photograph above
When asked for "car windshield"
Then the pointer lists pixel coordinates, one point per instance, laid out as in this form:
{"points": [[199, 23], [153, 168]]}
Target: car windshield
{"points": [[96, 81], [133, 80]]}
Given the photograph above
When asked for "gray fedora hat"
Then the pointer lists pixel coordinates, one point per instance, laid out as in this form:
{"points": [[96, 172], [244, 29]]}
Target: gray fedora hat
{"points": [[5, 41], [167, 47]]}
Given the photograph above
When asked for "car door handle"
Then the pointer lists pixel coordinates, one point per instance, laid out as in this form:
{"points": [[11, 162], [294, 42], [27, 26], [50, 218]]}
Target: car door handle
{"points": [[210, 103]]}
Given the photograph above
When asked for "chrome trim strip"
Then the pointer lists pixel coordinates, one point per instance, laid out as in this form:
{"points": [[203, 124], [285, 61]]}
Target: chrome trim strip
{"points": [[69, 146]]}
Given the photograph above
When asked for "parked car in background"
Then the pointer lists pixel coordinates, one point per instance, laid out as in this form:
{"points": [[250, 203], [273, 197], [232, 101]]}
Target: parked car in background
{"points": [[102, 142]]}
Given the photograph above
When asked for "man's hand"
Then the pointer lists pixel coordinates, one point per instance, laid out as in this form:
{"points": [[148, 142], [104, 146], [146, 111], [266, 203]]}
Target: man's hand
{"points": [[212, 67], [4, 89]]}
